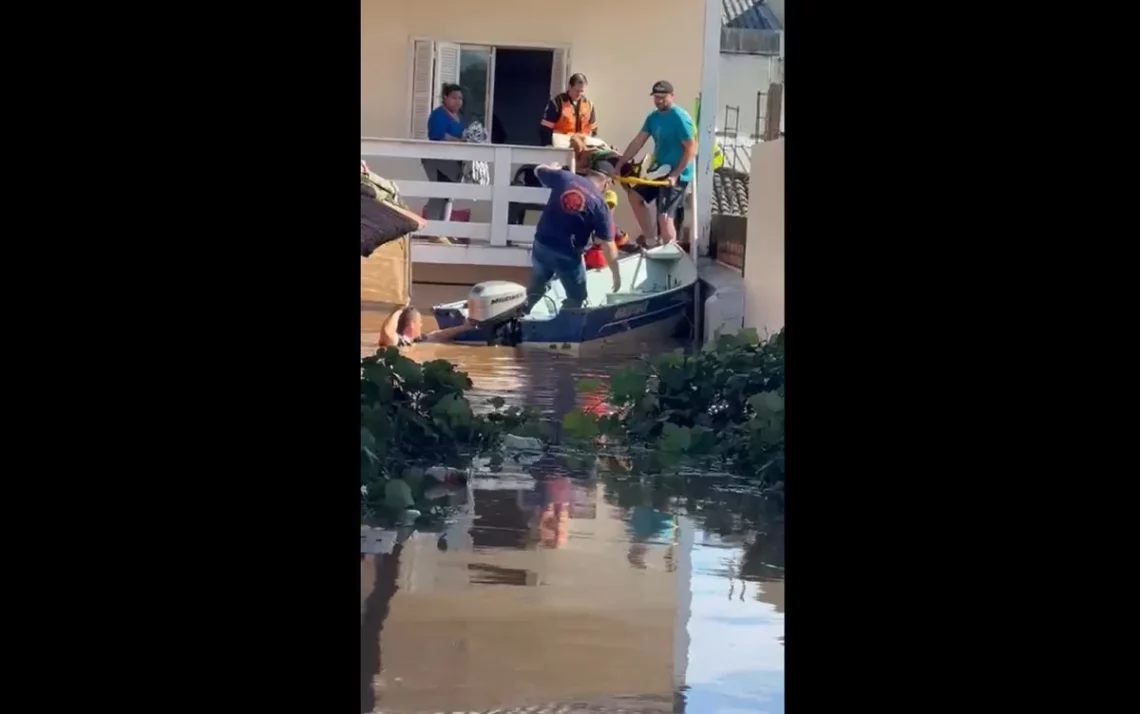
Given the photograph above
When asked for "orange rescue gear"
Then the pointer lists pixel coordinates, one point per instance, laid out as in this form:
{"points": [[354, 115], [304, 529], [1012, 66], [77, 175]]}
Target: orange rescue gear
{"points": [[563, 117]]}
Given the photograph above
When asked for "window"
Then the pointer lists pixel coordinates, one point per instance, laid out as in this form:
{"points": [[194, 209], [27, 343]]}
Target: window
{"points": [[528, 78], [475, 78]]}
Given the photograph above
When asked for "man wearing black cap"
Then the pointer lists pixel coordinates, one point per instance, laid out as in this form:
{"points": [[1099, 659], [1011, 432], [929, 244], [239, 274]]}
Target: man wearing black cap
{"points": [[675, 147], [575, 214]]}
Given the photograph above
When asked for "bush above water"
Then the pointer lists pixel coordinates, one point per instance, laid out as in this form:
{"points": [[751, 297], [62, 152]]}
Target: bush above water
{"points": [[721, 405], [415, 416]]}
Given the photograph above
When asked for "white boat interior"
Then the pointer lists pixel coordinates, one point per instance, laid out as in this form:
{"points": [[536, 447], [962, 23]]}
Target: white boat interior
{"points": [[643, 275]]}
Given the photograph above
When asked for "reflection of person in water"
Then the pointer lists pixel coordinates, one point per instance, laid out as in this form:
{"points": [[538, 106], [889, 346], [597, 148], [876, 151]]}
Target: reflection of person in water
{"points": [[595, 401], [550, 502], [650, 523], [554, 519]]}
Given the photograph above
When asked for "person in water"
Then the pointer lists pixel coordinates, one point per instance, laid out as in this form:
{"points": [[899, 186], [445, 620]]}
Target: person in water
{"points": [[405, 327], [575, 215]]}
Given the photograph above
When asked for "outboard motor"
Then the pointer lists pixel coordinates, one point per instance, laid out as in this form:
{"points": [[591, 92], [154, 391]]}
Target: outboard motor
{"points": [[495, 307]]}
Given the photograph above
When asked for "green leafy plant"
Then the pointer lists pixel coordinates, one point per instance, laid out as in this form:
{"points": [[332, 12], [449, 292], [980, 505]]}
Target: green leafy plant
{"points": [[725, 404], [414, 419]]}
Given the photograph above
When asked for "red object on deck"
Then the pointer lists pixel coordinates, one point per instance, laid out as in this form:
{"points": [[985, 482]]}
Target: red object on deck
{"points": [[595, 258]]}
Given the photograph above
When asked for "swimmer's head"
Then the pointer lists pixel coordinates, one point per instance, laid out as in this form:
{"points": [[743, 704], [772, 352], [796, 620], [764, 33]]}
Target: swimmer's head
{"points": [[410, 324]]}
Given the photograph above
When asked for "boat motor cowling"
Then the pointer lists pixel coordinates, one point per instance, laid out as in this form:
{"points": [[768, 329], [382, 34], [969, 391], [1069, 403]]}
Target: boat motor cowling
{"points": [[495, 301], [495, 306]]}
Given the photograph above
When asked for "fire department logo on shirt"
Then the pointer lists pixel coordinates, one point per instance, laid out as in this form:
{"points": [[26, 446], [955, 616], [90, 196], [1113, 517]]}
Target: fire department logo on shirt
{"points": [[573, 200]]}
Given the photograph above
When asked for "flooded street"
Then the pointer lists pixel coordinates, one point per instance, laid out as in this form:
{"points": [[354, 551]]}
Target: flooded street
{"points": [[521, 377], [568, 585]]}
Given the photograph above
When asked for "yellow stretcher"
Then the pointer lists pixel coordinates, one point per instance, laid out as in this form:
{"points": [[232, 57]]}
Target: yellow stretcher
{"points": [[638, 181]]}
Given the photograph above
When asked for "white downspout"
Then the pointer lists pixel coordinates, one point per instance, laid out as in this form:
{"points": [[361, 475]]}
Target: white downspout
{"points": [[706, 131]]}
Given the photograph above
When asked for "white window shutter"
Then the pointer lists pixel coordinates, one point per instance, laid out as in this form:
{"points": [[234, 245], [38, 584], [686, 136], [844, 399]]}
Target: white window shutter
{"points": [[422, 88], [446, 68], [559, 71]]}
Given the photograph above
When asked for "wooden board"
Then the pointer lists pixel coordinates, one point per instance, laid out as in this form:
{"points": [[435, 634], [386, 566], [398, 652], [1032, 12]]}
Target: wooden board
{"points": [[385, 276]]}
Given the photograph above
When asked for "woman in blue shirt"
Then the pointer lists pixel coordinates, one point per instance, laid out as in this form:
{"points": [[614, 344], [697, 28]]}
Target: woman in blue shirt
{"points": [[444, 124]]}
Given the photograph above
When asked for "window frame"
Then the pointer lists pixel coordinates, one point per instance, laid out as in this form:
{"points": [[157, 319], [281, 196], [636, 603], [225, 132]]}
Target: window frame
{"points": [[561, 51]]}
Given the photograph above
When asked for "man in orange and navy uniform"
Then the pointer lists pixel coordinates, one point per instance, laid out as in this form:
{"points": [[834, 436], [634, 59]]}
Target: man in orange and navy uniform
{"points": [[569, 113]]}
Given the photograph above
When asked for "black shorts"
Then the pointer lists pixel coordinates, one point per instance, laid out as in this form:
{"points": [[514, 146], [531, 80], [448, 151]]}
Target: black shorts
{"points": [[668, 198]]}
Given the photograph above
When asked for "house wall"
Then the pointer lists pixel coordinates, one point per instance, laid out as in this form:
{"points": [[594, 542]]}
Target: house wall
{"points": [[603, 44], [741, 77], [764, 252], [777, 8], [600, 46]]}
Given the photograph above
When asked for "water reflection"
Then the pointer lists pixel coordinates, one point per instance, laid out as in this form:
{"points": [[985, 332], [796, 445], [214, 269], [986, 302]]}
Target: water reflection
{"points": [[736, 629], [565, 591], [521, 377], [569, 585]]}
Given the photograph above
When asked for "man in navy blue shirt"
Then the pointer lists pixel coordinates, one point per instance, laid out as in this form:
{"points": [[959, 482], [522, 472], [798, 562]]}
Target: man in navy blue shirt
{"points": [[444, 124], [575, 214]]}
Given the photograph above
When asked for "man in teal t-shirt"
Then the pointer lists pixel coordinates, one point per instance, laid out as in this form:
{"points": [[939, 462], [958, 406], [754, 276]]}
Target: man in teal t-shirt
{"points": [[675, 147]]}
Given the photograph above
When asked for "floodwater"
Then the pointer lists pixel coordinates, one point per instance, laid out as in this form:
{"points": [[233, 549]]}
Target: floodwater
{"points": [[570, 585]]}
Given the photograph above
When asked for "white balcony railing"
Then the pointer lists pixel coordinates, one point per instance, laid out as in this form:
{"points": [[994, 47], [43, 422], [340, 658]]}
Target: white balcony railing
{"points": [[493, 243]]}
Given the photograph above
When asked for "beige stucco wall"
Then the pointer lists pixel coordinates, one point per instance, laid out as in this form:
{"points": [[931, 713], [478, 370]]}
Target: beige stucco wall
{"points": [[764, 251], [600, 43], [600, 37]]}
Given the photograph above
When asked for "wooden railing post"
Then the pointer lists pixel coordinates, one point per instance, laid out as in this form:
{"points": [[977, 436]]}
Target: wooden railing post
{"points": [[487, 243], [500, 202]]}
